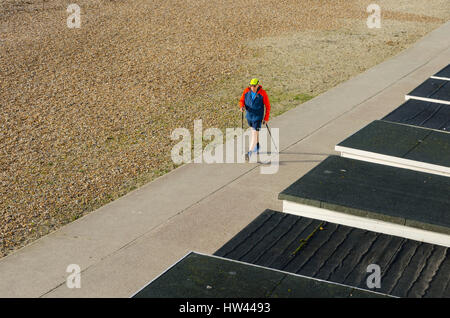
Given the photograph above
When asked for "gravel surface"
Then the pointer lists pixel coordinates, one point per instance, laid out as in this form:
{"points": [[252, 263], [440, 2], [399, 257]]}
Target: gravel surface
{"points": [[87, 113]]}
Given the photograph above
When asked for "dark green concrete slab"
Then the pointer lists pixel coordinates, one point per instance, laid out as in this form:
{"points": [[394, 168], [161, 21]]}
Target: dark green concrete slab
{"points": [[376, 191], [202, 276], [341, 254], [435, 149], [298, 287], [434, 89], [198, 276], [423, 114], [386, 138], [445, 72], [402, 141]]}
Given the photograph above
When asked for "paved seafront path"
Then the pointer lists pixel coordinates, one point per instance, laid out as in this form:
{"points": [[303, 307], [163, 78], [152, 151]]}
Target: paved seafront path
{"points": [[128, 242]]}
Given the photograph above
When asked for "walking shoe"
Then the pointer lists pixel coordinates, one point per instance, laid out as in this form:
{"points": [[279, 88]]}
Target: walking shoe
{"points": [[247, 156]]}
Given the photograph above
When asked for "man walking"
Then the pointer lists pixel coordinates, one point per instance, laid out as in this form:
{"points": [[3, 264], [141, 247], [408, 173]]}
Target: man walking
{"points": [[254, 98]]}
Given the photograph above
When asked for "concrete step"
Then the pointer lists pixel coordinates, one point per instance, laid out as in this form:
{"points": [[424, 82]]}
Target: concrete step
{"points": [[422, 114], [443, 74], [398, 145], [432, 90], [341, 254], [204, 276], [389, 200]]}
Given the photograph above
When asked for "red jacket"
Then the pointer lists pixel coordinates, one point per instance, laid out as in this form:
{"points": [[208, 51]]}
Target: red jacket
{"points": [[246, 101]]}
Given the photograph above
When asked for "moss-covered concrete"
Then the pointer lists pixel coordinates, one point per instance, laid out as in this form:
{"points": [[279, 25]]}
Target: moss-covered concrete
{"points": [[201, 276], [433, 88], [375, 191]]}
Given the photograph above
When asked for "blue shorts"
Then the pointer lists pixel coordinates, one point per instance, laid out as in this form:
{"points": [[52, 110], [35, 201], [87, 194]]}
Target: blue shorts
{"points": [[256, 125]]}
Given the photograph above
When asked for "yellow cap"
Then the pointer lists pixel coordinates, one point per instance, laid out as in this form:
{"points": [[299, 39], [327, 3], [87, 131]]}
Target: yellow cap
{"points": [[254, 81]]}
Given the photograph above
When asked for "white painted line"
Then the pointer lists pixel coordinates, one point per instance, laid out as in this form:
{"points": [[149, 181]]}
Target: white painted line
{"points": [[427, 99], [441, 78], [392, 161], [366, 223]]}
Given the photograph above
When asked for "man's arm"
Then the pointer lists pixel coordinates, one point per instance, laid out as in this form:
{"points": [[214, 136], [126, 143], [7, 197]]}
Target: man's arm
{"points": [[242, 100], [267, 104]]}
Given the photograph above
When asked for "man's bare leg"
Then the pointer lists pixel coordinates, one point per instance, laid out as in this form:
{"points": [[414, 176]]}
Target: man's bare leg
{"points": [[255, 135]]}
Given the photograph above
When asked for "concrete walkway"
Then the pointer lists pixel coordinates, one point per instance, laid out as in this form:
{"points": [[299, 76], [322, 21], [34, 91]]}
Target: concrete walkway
{"points": [[125, 244]]}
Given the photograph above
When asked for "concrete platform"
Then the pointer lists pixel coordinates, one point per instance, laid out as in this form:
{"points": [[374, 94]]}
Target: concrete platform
{"points": [[422, 114], [398, 145], [443, 74], [341, 254], [126, 243], [204, 276], [432, 90], [374, 197]]}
